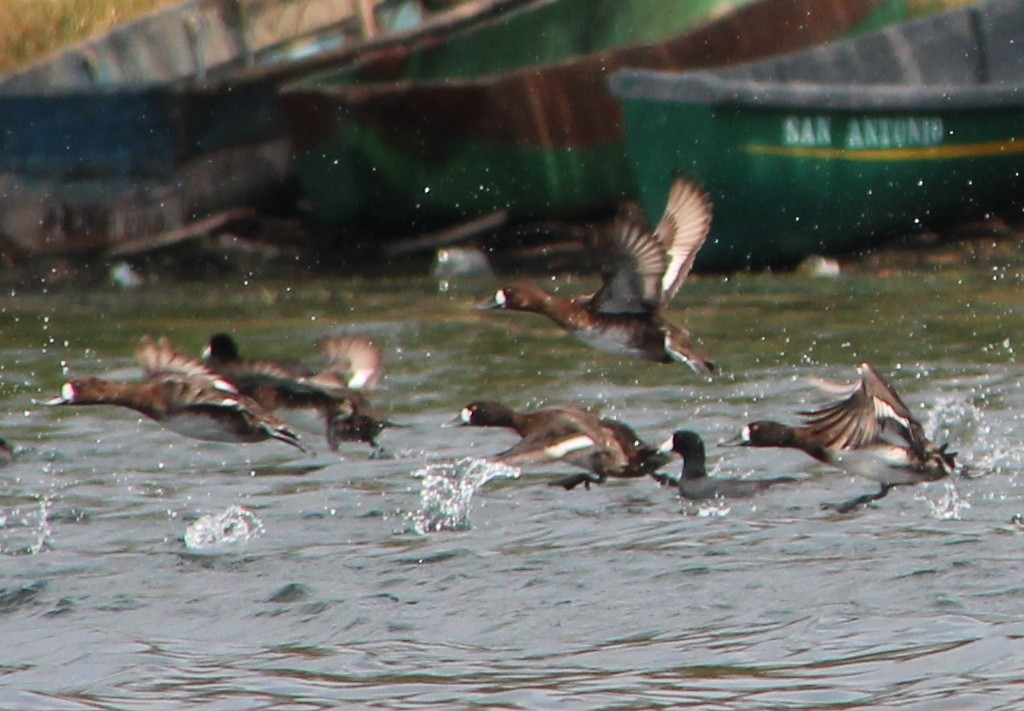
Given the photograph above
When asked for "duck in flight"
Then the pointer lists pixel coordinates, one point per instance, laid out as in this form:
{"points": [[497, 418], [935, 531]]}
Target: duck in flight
{"points": [[184, 396], [644, 271], [869, 432], [334, 397]]}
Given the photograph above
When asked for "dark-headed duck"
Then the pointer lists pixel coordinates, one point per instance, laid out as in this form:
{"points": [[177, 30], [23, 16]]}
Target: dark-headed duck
{"points": [[645, 269], [332, 398], [870, 433], [603, 447], [184, 396], [697, 485]]}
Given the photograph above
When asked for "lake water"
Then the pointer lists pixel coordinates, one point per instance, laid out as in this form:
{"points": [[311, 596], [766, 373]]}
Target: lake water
{"points": [[116, 593]]}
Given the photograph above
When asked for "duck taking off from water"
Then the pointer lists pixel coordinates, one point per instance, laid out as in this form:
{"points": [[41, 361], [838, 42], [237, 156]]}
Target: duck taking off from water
{"points": [[643, 271], [184, 396], [870, 433], [602, 446]]}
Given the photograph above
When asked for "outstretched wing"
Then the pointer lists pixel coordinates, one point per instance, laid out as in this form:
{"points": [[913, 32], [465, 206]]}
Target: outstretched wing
{"points": [[633, 273], [681, 233], [160, 360], [357, 360], [870, 410]]}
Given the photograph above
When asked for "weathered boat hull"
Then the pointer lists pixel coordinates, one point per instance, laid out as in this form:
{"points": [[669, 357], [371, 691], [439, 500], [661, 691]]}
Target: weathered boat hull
{"points": [[417, 140], [161, 123], [918, 125]]}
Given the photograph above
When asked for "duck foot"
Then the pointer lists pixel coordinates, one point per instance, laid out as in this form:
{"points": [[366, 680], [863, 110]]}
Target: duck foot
{"points": [[665, 479], [571, 482], [379, 452], [851, 504]]}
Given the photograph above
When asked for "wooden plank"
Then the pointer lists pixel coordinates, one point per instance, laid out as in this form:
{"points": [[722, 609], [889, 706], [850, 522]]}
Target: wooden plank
{"points": [[192, 230], [449, 236]]}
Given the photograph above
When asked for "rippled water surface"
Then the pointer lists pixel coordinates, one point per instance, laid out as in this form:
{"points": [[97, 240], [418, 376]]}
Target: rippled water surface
{"points": [[145, 570]]}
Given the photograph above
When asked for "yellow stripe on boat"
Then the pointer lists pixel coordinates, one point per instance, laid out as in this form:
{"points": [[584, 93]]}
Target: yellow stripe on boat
{"points": [[973, 150]]}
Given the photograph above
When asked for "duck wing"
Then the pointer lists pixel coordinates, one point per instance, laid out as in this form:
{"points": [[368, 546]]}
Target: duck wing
{"points": [[641, 457], [356, 360], [869, 411], [681, 233], [633, 274], [192, 395], [159, 360], [567, 433]]}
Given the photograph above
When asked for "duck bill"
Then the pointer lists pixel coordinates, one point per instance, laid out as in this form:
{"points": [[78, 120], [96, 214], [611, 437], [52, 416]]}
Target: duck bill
{"points": [[59, 400], [497, 302], [666, 446], [737, 441], [456, 421]]}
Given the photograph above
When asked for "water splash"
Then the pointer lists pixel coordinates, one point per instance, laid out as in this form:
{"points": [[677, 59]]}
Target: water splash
{"points": [[233, 525], [448, 489], [950, 506], [33, 524], [980, 451], [713, 508], [956, 421]]}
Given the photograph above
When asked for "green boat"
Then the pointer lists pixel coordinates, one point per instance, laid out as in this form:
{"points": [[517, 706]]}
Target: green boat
{"points": [[514, 112], [916, 126]]}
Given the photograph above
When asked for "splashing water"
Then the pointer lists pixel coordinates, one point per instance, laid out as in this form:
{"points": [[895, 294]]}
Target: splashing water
{"points": [[950, 506], [448, 489], [33, 524], [713, 508], [233, 525], [956, 421], [980, 451]]}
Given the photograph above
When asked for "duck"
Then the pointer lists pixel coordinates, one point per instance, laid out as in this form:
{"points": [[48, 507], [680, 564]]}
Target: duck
{"points": [[644, 271], [695, 484], [604, 447], [184, 396], [354, 360], [333, 398], [870, 432]]}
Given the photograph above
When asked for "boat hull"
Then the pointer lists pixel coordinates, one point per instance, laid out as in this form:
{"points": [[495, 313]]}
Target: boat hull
{"points": [[855, 146], [174, 118], [400, 146]]}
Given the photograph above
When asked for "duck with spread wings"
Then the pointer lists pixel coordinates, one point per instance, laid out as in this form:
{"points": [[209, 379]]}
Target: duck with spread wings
{"points": [[644, 271], [870, 432]]}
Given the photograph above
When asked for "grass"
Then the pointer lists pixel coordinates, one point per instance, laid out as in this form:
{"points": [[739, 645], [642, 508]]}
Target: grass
{"points": [[30, 29]]}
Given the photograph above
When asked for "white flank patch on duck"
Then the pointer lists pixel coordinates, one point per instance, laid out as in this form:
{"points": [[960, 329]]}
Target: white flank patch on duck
{"points": [[573, 444], [610, 341], [883, 463], [199, 426]]}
